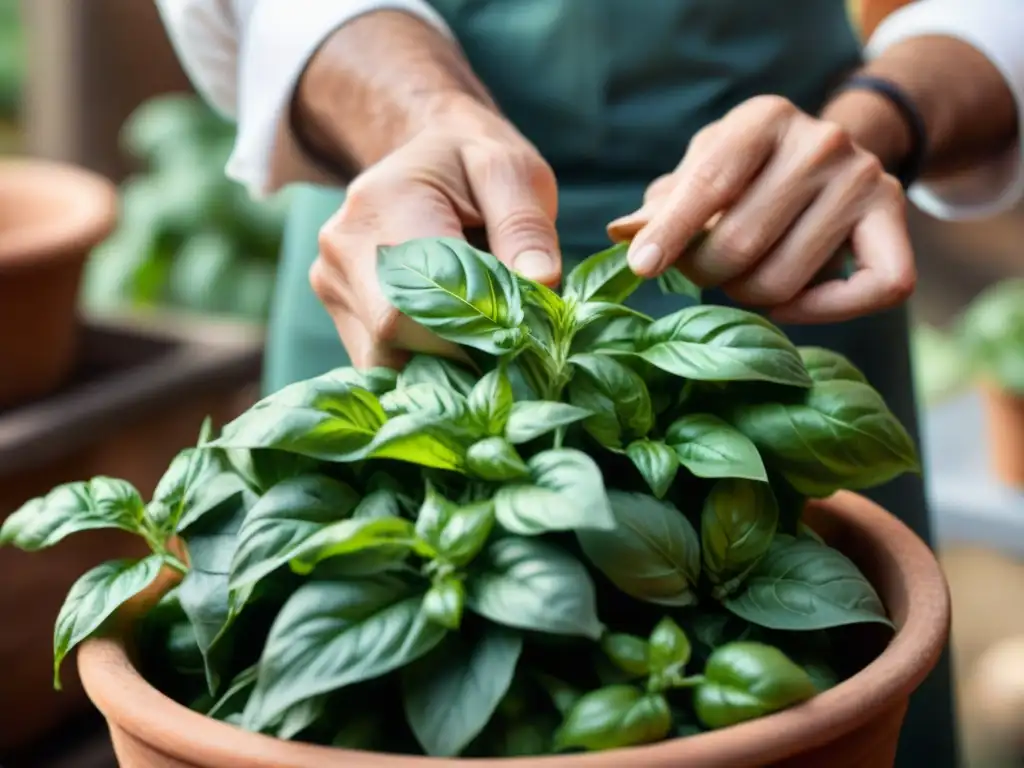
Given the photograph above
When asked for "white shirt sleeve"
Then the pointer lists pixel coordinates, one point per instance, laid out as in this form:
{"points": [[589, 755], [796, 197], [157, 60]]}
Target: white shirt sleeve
{"points": [[996, 29], [246, 56]]}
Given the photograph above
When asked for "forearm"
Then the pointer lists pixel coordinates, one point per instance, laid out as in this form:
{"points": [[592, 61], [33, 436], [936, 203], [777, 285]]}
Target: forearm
{"points": [[968, 109], [373, 84]]}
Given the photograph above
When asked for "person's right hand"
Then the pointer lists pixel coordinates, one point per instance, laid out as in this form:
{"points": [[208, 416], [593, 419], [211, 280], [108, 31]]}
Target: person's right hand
{"points": [[470, 169]]}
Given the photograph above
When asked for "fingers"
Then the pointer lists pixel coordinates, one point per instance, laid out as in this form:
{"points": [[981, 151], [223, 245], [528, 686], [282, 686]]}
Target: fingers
{"points": [[517, 195], [819, 232], [719, 165], [885, 276]]}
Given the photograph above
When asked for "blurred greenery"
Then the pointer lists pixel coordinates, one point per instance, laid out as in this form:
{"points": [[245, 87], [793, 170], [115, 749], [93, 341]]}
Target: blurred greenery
{"points": [[12, 59], [188, 237], [992, 334]]}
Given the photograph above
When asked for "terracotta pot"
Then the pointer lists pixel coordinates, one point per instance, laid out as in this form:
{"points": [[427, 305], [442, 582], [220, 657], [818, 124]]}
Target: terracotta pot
{"points": [[855, 724], [51, 217], [1004, 412]]}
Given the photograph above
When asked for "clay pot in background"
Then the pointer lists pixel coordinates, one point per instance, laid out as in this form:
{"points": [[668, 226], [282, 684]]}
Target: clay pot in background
{"points": [[855, 724], [51, 217], [1004, 414]]}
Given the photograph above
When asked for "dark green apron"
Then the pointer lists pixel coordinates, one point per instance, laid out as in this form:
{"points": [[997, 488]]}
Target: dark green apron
{"points": [[611, 91]]}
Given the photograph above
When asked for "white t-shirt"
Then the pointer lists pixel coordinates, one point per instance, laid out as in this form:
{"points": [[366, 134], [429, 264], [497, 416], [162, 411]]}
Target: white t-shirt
{"points": [[245, 57]]}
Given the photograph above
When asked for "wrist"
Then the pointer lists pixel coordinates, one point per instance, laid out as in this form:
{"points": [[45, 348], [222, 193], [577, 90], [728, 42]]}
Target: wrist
{"points": [[374, 84], [874, 123]]}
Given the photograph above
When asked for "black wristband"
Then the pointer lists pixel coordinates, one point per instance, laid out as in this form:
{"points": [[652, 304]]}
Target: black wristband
{"points": [[910, 167]]}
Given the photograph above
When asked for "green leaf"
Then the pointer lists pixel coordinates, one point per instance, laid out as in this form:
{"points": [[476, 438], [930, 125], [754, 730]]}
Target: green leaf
{"points": [[423, 399], [232, 701], [324, 418], [746, 680], [710, 447], [615, 395], [674, 282], [456, 532], [83, 506], [841, 436], [653, 554], [531, 419], [802, 585], [595, 311], [738, 523], [444, 602], [463, 295], [565, 493], [452, 693], [540, 296], [669, 648], [94, 598], [826, 365], [605, 276], [351, 537], [284, 519], [210, 492], [428, 369], [614, 717], [332, 634], [495, 459], [713, 343], [204, 592], [610, 333], [425, 438], [490, 402], [656, 462], [991, 331], [534, 585], [190, 471], [627, 652]]}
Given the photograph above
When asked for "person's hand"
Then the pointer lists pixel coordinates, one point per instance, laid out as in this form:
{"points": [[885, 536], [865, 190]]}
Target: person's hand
{"points": [[780, 193], [467, 171]]}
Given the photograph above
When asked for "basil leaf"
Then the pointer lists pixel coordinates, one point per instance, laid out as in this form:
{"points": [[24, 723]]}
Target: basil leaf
{"points": [[204, 592], [232, 701], [710, 447], [332, 634], [826, 365], [283, 519], [745, 680], [495, 459], [738, 524], [383, 502], [656, 462], [94, 598], [543, 298], [627, 652], [452, 693], [463, 295], [616, 396], [209, 494], [83, 506], [841, 436], [423, 399], [534, 585], [802, 585], [605, 276], [490, 402], [456, 532], [299, 717], [613, 717], [566, 492], [610, 333], [711, 343], [192, 469], [319, 418], [428, 369], [263, 468], [351, 537], [674, 282], [593, 311], [669, 648], [444, 603], [531, 419], [653, 553], [425, 438]]}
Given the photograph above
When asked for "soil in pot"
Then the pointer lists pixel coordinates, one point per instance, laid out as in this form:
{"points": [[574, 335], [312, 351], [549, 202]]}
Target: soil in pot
{"points": [[51, 217], [1004, 414]]}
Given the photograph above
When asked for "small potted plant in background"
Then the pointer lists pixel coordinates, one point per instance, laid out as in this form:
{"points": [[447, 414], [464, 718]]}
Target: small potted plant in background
{"points": [[583, 537], [992, 334]]}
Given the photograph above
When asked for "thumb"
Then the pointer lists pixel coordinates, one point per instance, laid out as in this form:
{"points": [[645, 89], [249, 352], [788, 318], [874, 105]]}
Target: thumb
{"points": [[518, 198]]}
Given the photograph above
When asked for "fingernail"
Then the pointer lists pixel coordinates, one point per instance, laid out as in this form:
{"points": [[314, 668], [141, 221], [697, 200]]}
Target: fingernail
{"points": [[535, 265], [645, 259]]}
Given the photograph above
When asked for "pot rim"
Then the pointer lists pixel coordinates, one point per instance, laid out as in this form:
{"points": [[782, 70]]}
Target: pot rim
{"points": [[84, 212], [916, 586]]}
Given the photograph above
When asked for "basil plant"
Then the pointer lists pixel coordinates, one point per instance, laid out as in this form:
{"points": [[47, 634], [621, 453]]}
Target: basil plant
{"points": [[582, 534]]}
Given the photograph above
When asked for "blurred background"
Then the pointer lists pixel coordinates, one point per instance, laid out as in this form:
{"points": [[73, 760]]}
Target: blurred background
{"points": [[127, 319]]}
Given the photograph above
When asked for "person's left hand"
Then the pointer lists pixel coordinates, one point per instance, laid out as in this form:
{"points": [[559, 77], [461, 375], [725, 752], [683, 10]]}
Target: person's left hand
{"points": [[786, 191]]}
